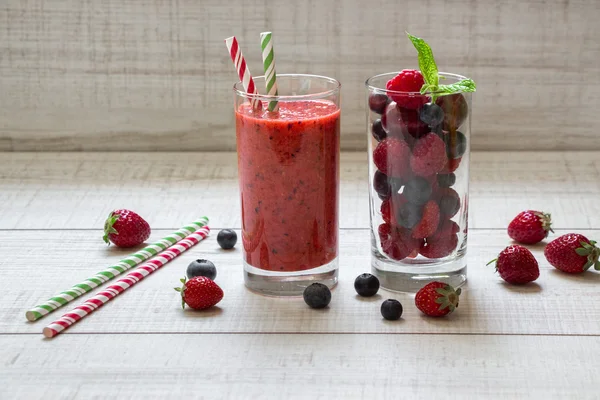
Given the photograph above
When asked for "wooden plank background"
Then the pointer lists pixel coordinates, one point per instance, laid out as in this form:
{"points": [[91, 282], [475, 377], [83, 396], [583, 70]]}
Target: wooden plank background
{"points": [[155, 75]]}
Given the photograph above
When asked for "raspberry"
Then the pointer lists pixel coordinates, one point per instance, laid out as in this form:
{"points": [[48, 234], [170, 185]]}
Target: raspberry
{"points": [[429, 155], [451, 165], [408, 80], [384, 230], [429, 222], [403, 123], [386, 211], [391, 156]]}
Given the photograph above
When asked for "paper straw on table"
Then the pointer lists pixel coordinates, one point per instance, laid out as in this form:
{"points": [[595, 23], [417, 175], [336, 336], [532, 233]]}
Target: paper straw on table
{"points": [[266, 43], [107, 274], [242, 69], [97, 301]]}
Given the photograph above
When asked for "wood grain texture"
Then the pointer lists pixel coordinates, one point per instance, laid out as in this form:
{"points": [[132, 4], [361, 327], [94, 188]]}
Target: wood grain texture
{"points": [[298, 367], [133, 75], [172, 189], [488, 306]]}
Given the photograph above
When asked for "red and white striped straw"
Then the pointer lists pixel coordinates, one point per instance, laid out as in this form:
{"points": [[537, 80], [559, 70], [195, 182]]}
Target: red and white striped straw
{"points": [[97, 301], [242, 69]]}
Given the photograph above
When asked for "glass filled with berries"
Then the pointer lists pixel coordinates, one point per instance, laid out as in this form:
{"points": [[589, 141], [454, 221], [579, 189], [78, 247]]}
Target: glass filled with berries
{"points": [[419, 126]]}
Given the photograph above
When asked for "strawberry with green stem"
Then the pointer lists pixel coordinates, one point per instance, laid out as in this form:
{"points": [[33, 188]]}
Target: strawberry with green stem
{"points": [[573, 253], [125, 228]]}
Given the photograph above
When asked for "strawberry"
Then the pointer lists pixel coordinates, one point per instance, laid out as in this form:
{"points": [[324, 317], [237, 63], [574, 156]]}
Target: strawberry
{"points": [[443, 242], [439, 248], [391, 157], [199, 293], [517, 265], [530, 227], [428, 155], [396, 242], [572, 253], [429, 221], [125, 229], [437, 299]]}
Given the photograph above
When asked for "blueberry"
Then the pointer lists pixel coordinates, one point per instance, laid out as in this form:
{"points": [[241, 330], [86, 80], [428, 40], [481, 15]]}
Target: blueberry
{"points": [[456, 144], [409, 215], [395, 184], [381, 185], [201, 268], [317, 295], [446, 180], [417, 191], [377, 130], [366, 285], [378, 102], [227, 238], [449, 205], [391, 309], [431, 114]]}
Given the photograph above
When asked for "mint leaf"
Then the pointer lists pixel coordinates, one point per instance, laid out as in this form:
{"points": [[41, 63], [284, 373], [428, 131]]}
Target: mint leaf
{"points": [[466, 85], [426, 61]]}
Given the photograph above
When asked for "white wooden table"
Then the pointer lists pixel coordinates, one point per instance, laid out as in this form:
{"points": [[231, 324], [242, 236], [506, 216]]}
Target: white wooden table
{"points": [[540, 340]]}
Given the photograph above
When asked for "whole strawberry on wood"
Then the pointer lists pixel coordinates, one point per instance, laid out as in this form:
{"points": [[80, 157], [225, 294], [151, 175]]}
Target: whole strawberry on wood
{"points": [[573, 253], [437, 299], [530, 227], [516, 265], [124, 228], [199, 293]]}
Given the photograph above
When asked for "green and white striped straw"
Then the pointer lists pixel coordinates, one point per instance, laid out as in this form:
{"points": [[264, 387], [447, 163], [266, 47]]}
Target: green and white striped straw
{"points": [[266, 41], [109, 273]]}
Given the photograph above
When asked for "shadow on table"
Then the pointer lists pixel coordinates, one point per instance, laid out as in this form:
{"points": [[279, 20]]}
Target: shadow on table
{"points": [[531, 287], [208, 313], [590, 276]]}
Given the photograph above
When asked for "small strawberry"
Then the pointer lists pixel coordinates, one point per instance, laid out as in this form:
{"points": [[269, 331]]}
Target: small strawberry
{"points": [[437, 299], [429, 221], [199, 293], [439, 248], [428, 155], [530, 227], [396, 242], [443, 242], [517, 265], [572, 253], [391, 157], [125, 229]]}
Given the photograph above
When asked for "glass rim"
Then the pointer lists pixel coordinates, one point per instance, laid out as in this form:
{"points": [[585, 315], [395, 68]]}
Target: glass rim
{"points": [[370, 86], [318, 95]]}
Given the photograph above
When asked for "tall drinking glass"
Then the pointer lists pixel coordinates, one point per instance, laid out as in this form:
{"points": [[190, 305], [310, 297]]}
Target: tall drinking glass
{"points": [[288, 167], [419, 184]]}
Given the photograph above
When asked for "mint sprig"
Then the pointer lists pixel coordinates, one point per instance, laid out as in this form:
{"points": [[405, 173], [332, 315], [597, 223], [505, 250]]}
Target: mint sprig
{"points": [[430, 73]]}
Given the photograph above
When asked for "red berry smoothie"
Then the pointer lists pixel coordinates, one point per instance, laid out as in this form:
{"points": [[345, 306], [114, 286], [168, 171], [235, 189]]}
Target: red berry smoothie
{"points": [[288, 165]]}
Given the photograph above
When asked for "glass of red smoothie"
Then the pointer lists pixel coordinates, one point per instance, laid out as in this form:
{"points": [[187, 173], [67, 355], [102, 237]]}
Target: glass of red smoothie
{"points": [[288, 165]]}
